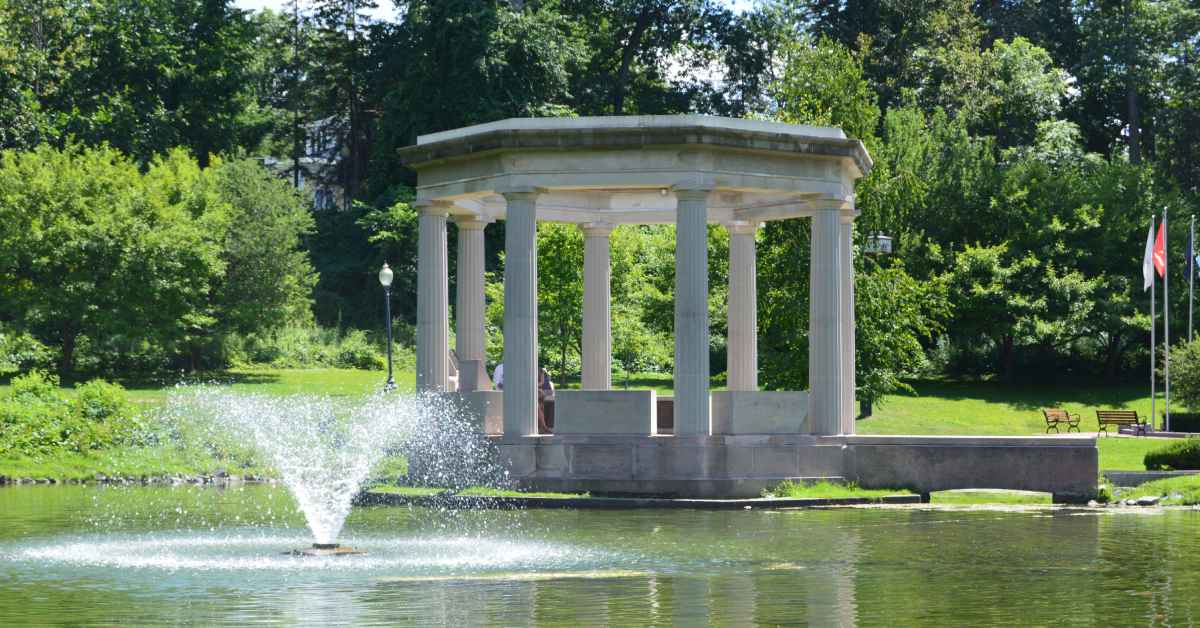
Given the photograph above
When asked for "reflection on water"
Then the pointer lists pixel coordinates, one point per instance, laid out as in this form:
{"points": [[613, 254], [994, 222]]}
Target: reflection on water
{"points": [[214, 557]]}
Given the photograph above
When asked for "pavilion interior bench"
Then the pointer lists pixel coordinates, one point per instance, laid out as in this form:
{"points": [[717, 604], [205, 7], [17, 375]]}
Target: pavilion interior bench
{"points": [[1118, 418], [1057, 416]]}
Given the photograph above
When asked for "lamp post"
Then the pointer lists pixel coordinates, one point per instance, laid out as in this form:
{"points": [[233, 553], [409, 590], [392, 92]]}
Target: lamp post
{"points": [[385, 279]]}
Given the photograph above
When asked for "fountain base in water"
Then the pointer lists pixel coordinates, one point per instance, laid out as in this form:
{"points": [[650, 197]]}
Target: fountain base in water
{"points": [[325, 549]]}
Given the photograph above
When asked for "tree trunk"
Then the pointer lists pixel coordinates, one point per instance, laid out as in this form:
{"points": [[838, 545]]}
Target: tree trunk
{"points": [[1131, 96], [1112, 356], [562, 350], [1135, 131], [631, 47], [1006, 357], [67, 361]]}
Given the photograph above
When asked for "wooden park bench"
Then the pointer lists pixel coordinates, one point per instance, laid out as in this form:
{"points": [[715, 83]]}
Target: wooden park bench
{"points": [[1058, 416], [1118, 418]]}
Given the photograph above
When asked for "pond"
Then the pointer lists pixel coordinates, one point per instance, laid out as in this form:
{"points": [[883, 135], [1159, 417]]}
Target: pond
{"points": [[145, 555]]}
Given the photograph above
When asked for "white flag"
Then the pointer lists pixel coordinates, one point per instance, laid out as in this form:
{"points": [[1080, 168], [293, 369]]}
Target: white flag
{"points": [[1148, 260]]}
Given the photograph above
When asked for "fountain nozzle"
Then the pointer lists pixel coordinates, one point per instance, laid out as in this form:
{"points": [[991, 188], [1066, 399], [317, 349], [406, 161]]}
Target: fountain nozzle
{"points": [[325, 549]]}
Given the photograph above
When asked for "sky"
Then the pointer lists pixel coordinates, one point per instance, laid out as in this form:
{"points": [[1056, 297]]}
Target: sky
{"points": [[387, 9]]}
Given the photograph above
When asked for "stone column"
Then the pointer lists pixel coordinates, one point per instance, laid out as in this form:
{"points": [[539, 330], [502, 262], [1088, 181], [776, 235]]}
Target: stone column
{"points": [[846, 252], [433, 317], [826, 354], [692, 415], [470, 336], [742, 342], [597, 324], [520, 314]]}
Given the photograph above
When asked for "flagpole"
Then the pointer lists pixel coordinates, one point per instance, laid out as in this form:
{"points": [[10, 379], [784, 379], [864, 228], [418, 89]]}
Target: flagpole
{"points": [[1191, 266], [1153, 325], [1166, 328]]}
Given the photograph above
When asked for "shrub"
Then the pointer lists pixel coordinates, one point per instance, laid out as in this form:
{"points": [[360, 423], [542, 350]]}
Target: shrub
{"points": [[35, 386], [1185, 373], [37, 419], [313, 347], [1185, 421], [21, 352], [355, 351], [1182, 454], [98, 401]]}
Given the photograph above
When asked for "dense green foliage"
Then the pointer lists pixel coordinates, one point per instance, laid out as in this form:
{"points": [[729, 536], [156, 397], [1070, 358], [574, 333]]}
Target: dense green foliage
{"points": [[37, 419], [121, 270], [1183, 454], [1185, 374], [1020, 148]]}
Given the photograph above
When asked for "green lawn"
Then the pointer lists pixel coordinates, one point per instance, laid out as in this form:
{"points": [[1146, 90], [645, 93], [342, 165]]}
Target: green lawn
{"points": [[336, 382], [136, 462], [1178, 491], [830, 490], [977, 497], [943, 407]]}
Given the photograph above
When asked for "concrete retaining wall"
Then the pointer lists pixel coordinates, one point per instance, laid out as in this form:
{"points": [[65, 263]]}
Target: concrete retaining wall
{"points": [[743, 465], [1067, 466], [693, 466]]}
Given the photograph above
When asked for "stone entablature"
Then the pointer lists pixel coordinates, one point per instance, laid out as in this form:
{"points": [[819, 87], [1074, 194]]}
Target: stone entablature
{"points": [[621, 170]]}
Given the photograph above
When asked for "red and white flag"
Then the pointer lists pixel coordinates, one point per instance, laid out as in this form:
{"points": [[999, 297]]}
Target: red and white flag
{"points": [[1160, 250]]}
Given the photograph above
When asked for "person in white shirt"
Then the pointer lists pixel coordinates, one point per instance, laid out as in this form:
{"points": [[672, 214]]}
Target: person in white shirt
{"points": [[498, 376]]}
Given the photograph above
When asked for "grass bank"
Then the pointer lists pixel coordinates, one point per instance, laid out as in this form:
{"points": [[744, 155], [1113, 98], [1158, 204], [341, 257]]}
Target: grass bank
{"points": [[1181, 491], [194, 459], [829, 490]]}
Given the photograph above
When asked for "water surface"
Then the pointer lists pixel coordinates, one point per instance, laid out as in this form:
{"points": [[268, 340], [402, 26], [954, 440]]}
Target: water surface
{"points": [[135, 556]]}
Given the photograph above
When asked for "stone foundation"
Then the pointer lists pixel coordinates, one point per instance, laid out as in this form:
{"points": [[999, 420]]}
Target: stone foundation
{"points": [[743, 465]]}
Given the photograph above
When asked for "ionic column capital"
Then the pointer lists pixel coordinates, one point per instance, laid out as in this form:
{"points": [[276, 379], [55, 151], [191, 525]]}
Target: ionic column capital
{"points": [[743, 227], [844, 207], [521, 193], [469, 222], [597, 229], [432, 208], [692, 193]]}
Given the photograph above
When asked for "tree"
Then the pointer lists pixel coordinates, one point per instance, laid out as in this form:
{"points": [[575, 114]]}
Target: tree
{"points": [[633, 46], [131, 258], [269, 279], [454, 63], [895, 317], [1121, 69]]}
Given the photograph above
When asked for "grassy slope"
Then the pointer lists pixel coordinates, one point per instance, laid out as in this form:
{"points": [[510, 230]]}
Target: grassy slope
{"points": [[167, 460], [830, 491], [1182, 490]]}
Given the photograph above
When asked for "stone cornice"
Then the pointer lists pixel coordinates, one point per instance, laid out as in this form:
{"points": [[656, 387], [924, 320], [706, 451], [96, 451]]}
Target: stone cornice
{"points": [[720, 133]]}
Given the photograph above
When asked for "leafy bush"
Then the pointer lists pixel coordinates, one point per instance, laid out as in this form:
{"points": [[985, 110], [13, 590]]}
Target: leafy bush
{"points": [[1185, 421], [356, 351], [35, 386], [1185, 373], [21, 352], [98, 401], [1180, 455], [315, 347], [37, 419]]}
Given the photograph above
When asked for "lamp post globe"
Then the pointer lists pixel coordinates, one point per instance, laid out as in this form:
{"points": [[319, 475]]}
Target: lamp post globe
{"points": [[385, 279]]}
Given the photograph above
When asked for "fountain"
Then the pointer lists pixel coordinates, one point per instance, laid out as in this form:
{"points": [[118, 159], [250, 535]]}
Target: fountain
{"points": [[325, 448]]}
